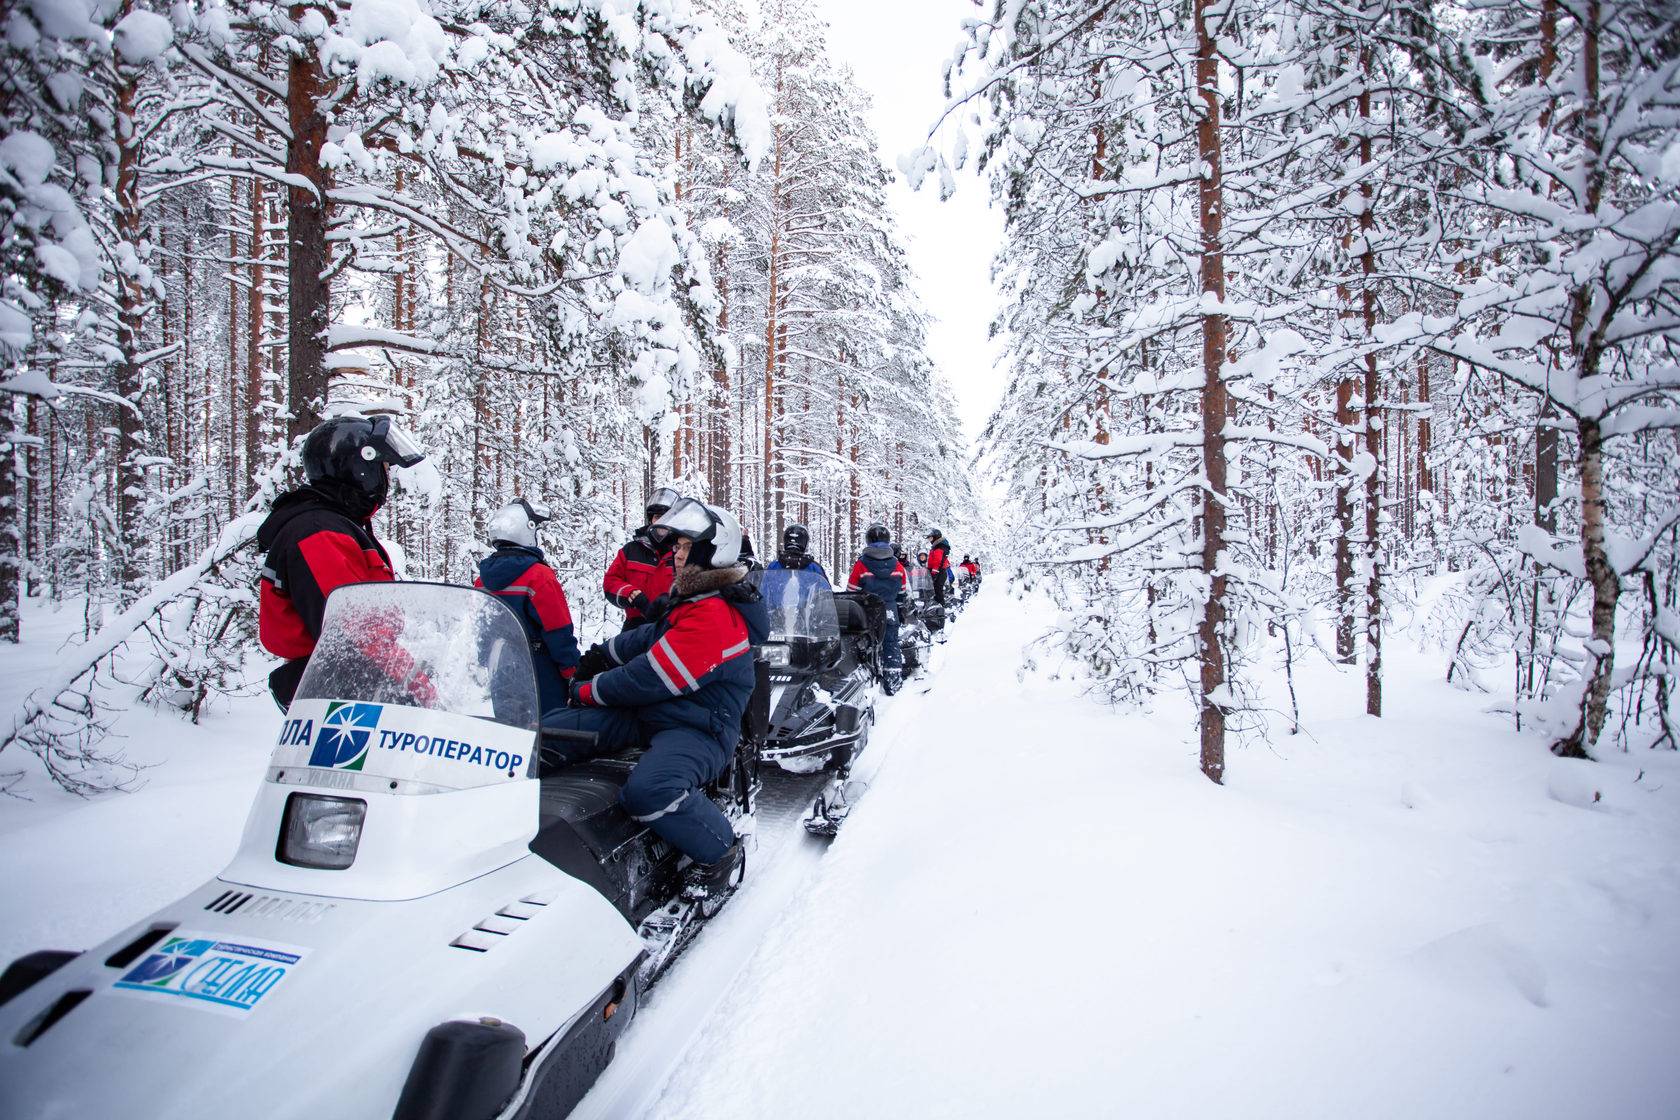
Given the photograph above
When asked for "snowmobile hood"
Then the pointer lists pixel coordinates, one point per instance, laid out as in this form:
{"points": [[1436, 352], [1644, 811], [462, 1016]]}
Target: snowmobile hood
{"points": [[285, 1005], [504, 566], [295, 503]]}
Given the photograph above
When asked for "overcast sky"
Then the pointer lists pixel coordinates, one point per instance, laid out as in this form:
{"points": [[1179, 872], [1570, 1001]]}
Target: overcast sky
{"points": [[896, 47]]}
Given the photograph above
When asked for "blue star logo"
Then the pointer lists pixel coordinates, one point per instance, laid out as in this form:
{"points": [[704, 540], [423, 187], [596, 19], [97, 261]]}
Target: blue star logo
{"points": [[173, 956], [342, 742]]}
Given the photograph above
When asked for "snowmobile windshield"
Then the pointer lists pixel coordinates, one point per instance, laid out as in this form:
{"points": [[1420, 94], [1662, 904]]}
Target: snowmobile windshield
{"points": [[448, 649], [801, 606], [921, 581]]}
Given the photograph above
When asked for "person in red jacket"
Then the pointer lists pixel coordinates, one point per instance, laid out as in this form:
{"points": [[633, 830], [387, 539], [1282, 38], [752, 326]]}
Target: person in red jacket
{"points": [[639, 574], [939, 563], [518, 573], [320, 536]]}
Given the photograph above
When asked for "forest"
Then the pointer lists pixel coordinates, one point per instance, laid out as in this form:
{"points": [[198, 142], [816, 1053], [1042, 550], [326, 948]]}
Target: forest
{"points": [[582, 248], [1318, 316]]}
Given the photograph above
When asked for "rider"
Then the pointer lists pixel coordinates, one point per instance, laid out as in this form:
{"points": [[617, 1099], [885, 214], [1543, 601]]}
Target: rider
{"points": [[678, 687], [878, 572], [320, 536], [517, 572], [795, 553], [939, 563], [638, 574]]}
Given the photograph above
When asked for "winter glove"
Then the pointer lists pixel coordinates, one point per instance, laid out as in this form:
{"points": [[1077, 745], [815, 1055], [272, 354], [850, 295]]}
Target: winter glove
{"points": [[421, 688], [656, 609], [574, 694], [593, 663], [639, 603]]}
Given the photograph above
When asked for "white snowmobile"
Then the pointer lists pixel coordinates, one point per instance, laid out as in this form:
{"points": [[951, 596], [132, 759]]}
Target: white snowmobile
{"points": [[414, 925]]}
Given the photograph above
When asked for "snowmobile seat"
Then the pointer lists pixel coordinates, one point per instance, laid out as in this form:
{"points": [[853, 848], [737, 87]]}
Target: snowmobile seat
{"points": [[580, 825], [862, 615], [853, 617]]}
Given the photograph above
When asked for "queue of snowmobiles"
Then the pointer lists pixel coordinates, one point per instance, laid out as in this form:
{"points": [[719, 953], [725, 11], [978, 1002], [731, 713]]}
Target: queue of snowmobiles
{"points": [[417, 923]]}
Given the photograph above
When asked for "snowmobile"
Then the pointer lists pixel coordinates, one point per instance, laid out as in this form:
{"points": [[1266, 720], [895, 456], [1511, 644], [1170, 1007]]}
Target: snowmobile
{"points": [[415, 924], [920, 624], [820, 674]]}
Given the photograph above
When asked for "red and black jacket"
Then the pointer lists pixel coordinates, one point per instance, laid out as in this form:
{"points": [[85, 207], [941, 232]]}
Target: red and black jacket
{"points": [[313, 546], [939, 556], [523, 580], [636, 568], [878, 572]]}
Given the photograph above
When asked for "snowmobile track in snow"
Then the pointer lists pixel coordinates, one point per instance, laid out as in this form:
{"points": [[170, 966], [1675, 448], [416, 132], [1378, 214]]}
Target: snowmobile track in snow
{"points": [[676, 1010]]}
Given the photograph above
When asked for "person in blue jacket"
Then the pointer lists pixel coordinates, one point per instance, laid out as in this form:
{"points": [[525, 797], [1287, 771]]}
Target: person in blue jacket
{"points": [[795, 553], [679, 688], [878, 572], [518, 574]]}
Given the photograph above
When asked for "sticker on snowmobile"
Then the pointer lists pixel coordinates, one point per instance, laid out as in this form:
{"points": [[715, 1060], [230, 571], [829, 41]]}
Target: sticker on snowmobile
{"points": [[394, 741], [206, 972]]}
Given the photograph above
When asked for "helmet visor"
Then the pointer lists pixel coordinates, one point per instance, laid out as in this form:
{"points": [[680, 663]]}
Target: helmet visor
{"points": [[393, 444], [662, 499], [537, 512], [688, 518]]}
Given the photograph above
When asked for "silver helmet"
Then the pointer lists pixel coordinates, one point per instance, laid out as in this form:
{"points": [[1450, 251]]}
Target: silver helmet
{"points": [[517, 522], [714, 531]]}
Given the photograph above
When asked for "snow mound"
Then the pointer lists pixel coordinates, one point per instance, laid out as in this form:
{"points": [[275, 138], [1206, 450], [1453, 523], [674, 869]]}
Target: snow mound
{"points": [[1575, 781]]}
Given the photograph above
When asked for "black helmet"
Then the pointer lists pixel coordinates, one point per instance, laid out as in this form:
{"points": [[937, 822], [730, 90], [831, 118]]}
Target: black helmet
{"points": [[716, 534], [796, 539], [346, 459], [659, 501], [877, 534], [934, 534]]}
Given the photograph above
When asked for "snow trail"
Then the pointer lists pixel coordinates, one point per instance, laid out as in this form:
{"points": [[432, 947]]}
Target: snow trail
{"points": [[677, 1012]]}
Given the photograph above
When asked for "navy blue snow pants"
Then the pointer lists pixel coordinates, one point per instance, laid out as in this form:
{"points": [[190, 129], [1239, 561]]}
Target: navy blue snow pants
{"points": [[663, 791], [892, 654]]}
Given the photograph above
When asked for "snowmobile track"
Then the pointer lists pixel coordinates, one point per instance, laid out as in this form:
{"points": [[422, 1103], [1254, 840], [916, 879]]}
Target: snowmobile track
{"points": [[675, 1011]]}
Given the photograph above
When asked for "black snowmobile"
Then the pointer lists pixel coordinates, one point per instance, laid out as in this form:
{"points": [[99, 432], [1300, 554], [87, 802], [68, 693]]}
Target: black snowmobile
{"points": [[920, 624], [821, 673]]}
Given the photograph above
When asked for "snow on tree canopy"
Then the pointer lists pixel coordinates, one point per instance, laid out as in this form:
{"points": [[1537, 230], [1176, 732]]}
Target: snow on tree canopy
{"points": [[65, 19], [142, 36], [389, 40], [28, 156]]}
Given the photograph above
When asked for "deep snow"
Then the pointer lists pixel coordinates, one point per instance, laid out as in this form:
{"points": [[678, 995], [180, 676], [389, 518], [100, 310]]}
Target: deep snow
{"points": [[1043, 908]]}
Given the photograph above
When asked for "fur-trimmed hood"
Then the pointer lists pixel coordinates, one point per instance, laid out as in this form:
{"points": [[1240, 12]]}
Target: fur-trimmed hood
{"points": [[691, 581]]}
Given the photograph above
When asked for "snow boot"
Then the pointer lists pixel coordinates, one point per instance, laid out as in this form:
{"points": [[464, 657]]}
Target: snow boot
{"points": [[714, 880], [891, 681]]}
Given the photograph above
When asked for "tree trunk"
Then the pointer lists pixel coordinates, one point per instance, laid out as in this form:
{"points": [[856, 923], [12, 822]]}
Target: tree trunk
{"points": [[254, 395], [1373, 422], [1587, 343], [132, 299], [308, 291], [1215, 406], [11, 540], [1346, 651], [1607, 589]]}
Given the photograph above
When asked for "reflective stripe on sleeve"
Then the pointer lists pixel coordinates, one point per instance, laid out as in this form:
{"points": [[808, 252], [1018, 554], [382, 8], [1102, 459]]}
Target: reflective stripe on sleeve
{"points": [[670, 667]]}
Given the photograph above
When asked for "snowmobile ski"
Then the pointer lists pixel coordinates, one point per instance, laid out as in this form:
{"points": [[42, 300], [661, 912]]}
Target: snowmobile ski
{"points": [[833, 805]]}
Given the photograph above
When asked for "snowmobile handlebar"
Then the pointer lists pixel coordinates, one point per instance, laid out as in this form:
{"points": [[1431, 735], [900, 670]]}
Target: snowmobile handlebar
{"points": [[568, 735]]}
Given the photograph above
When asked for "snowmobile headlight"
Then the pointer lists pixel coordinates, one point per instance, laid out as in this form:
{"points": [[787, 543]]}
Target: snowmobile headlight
{"points": [[321, 831], [776, 656]]}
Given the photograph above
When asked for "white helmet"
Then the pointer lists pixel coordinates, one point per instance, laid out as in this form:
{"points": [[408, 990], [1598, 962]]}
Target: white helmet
{"points": [[714, 531], [516, 523]]}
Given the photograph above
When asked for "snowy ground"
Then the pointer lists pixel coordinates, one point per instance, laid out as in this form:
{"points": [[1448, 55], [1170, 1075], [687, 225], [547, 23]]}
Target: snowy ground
{"points": [[1042, 908]]}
